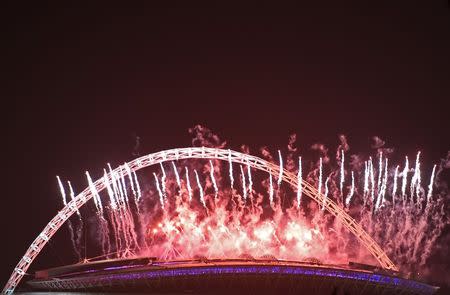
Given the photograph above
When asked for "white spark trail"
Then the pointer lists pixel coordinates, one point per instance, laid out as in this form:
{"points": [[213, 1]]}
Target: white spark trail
{"points": [[72, 196], [121, 188], [415, 181], [114, 184], [372, 181], [244, 185], [380, 184], [121, 195], [366, 180], [161, 196], [76, 241], [188, 184], [270, 188], [280, 174], [394, 188], [250, 181], [320, 176], [69, 223], [177, 176], [138, 187], [124, 187], [200, 188], [405, 177], [342, 171], [96, 196], [130, 178], [230, 164], [163, 181], [384, 183], [109, 190], [380, 172], [61, 189], [325, 196], [430, 186], [418, 178], [352, 191], [213, 179], [299, 182]]}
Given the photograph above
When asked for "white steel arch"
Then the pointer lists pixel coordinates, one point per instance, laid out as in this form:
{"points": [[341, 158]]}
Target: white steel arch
{"points": [[198, 153]]}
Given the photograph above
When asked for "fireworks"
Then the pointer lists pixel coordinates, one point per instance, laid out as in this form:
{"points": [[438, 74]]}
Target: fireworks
{"points": [[219, 221], [320, 176], [280, 175], [61, 189], [188, 183], [270, 189], [352, 191], [250, 181], [299, 182], [230, 163], [394, 187], [160, 193], [96, 196], [244, 185], [405, 178], [199, 184], [342, 171], [213, 179], [325, 195], [430, 186]]}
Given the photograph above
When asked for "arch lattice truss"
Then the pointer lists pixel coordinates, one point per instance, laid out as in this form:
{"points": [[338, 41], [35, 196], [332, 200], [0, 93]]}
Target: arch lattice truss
{"points": [[197, 153]]}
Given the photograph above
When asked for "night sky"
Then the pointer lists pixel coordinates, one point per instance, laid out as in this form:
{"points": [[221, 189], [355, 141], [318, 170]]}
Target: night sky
{"points": [[82, 82]]}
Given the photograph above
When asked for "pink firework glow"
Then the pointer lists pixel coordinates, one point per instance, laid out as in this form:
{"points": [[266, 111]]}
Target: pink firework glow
{"points": [[209, 208]]}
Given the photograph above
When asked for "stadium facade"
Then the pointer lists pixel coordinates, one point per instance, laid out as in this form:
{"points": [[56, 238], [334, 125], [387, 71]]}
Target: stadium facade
{"points": [[213, 276]]}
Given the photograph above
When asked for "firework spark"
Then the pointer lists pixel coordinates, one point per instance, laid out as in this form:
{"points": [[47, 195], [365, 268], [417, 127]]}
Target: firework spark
{"points": [[280, 175], [158, 187], [213, 179], [299, 182]]}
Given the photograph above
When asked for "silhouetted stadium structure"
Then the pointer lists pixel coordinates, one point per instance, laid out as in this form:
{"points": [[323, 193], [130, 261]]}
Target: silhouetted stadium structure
{"points": [[213, 276]]}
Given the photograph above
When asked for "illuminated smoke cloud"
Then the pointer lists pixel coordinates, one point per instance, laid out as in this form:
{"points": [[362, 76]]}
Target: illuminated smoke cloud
{"points": [[291, 145], [377, 142], [202, 136]]}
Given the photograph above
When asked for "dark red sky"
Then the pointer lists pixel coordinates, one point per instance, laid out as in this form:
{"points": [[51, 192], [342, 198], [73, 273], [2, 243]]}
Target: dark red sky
{"points": [[80, 81]]}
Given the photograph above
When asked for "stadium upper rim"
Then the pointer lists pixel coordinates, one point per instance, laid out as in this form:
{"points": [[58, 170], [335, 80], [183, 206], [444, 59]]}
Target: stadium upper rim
{"points": [[223, 275]]}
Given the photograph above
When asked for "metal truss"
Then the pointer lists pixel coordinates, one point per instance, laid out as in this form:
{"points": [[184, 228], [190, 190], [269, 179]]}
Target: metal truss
{"points": [[193, 153]]}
